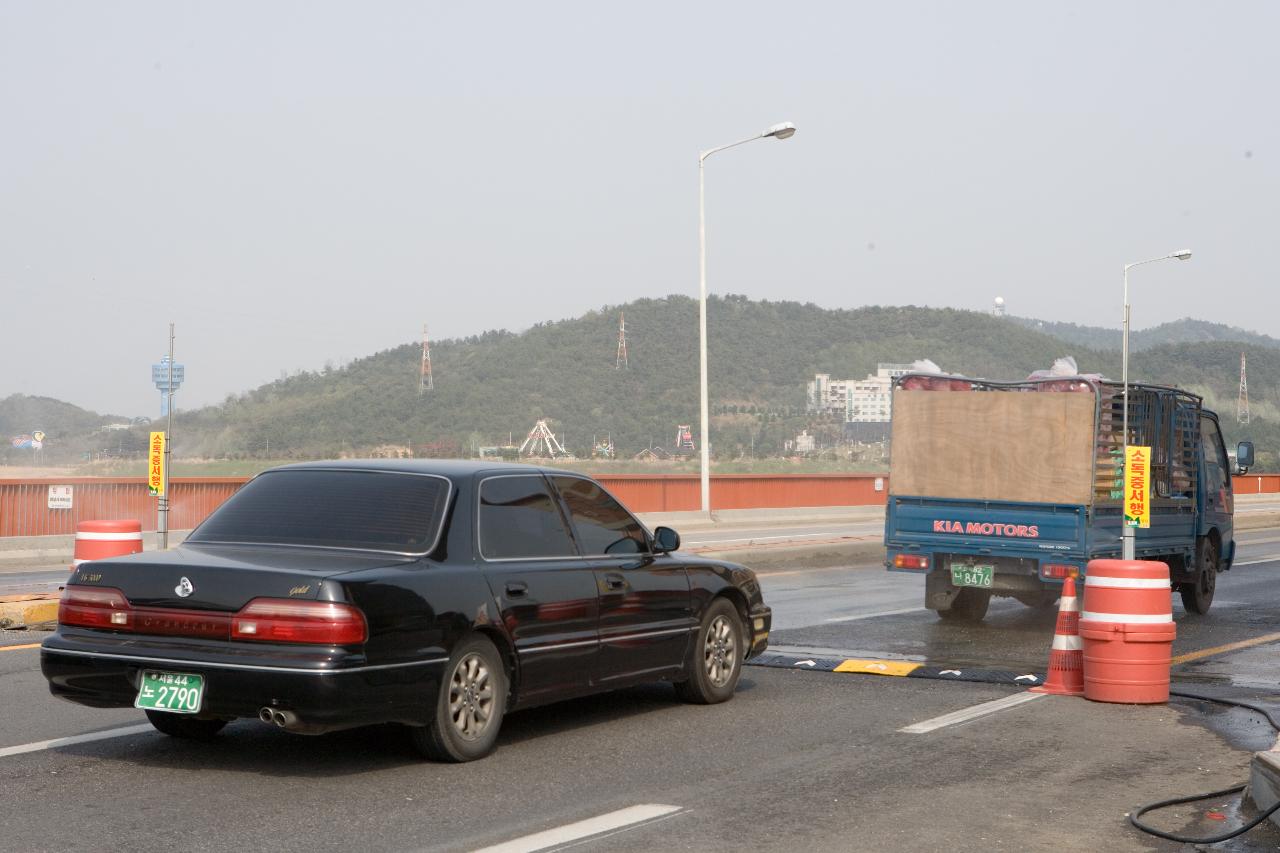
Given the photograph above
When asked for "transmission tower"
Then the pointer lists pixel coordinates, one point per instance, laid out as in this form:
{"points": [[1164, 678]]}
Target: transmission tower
{"points": [[1242, 407], [425, 382], [622, 341]]}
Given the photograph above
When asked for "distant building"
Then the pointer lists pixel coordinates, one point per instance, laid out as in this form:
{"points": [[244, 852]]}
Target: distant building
{"points": [[868, 400]]}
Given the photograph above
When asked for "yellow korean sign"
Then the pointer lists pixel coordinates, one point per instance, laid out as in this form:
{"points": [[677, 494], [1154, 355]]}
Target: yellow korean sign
{"points": [[1137, 487], [155, 464]]}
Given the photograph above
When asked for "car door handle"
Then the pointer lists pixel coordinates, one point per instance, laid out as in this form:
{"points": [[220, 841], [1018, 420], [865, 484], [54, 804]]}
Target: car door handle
{"points": [[615, 582], [515, 589]]}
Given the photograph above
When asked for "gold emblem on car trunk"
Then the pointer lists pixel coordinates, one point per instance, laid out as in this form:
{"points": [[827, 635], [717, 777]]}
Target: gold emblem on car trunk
{"points": [[300, 590]]}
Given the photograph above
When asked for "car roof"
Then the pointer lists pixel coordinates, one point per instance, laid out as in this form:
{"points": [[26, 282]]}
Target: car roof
{"points": [[452, 468]]}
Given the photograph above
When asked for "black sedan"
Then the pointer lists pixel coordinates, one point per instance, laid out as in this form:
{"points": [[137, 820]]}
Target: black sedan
{"points": [[439, 595]]}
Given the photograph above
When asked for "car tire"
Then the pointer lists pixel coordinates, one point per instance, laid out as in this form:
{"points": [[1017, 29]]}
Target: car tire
{"points": [[715, 663], [471, 703], [182, 726], [1197, 595], [969, 605]]}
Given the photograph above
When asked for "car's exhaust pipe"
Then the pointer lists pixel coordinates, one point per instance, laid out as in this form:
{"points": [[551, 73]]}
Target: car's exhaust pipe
{"points": [[275, 716]]}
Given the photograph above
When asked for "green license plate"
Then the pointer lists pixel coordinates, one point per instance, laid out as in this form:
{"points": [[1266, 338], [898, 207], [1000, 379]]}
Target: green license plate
{"points": [[980, 576], [178, 692]]}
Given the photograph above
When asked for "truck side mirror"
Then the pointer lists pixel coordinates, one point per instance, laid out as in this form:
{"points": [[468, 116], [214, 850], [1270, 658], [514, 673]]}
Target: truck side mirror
{"points": [[1244, 457]]}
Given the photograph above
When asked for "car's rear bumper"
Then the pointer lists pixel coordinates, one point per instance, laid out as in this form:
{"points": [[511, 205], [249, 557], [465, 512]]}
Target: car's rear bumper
{"points": [[761, 621], [322, 699]]}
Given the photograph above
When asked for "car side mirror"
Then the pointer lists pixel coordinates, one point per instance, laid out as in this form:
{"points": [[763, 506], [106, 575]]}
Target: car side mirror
{"points": [[665, 540], [1244, 457]]}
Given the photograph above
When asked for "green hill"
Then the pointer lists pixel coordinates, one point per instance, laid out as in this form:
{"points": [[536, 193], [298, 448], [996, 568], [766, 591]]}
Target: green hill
{"points": [[1184, 331], [66, 428], [762, 354], [491, 388]]}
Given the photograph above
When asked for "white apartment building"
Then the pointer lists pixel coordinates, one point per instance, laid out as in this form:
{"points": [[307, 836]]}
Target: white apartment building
{"points": [[867, 400]]}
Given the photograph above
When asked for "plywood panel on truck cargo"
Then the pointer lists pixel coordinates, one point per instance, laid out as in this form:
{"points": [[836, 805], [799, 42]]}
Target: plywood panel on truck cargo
{"points": [[994, 445]]}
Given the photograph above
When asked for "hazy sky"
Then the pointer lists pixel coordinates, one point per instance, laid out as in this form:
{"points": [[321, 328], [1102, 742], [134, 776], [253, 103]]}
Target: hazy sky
{"points": [[299, 182]]}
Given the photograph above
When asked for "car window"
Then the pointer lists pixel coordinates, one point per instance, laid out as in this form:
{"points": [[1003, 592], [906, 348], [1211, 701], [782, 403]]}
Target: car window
{"points": [[327, 508], [519, 518], [600, 522]]}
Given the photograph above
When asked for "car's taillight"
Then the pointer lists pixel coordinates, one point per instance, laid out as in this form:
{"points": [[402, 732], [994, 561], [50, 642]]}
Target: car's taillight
{"points": [[1058, 570], [910, 561], [282, 620], [97, 607]]}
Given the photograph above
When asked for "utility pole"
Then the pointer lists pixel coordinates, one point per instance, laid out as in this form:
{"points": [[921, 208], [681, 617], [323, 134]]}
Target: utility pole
{"points": [[163, 509]]}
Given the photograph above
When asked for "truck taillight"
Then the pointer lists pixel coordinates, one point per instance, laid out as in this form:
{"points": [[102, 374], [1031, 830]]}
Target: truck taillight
{"points": [[98, 607], [910, 561], [282, 620], [1059, 570]]}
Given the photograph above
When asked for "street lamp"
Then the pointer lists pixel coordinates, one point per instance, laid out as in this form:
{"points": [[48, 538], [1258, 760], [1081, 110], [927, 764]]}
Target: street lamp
{"points": [[1128, 542], [779, 131]]}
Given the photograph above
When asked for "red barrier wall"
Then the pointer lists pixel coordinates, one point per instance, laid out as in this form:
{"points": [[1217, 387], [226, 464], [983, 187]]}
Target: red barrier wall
{"points": [[24, 509], [24, 504], [680, 492]]}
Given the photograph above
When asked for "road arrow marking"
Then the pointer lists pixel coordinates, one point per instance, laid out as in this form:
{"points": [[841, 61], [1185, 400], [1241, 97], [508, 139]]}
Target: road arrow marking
{"points": [[804, 663], [1028, 678], [950, 672]]}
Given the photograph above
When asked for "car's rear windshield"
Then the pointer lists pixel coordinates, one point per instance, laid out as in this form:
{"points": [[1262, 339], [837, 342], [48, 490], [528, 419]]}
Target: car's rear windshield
{"points": [[324, 508]]}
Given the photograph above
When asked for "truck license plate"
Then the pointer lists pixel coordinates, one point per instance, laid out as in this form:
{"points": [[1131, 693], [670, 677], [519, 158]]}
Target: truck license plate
{"points": [[980, 576], [177, 692]]}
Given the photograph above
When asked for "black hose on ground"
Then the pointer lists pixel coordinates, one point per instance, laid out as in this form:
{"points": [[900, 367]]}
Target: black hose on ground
{"points": [[1187, 839]]}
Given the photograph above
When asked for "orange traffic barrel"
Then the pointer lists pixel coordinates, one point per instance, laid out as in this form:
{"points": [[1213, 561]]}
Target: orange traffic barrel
{"points": [[1127, 628], [97, 540]]}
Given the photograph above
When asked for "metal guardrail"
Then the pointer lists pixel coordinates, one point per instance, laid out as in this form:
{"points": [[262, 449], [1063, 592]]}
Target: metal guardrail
{"points": [[25, 503]]}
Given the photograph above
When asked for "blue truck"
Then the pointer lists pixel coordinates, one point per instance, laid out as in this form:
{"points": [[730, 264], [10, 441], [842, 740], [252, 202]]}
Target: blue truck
{"points": [[1007, 488]]}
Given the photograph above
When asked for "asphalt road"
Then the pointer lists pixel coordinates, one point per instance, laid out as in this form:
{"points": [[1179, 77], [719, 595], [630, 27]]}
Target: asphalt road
{"points": [[797, 760]]}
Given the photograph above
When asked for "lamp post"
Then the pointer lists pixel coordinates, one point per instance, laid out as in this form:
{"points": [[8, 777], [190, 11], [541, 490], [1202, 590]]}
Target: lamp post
{"points": [[779, 131], [1129, 543]]}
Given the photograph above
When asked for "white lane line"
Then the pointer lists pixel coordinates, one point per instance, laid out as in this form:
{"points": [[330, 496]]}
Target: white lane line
{"points": [[858, 616], [571, 832], [5, 752], [966, 714]]}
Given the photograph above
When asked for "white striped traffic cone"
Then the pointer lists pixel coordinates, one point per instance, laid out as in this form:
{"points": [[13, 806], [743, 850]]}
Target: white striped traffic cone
{"points": [[1066, 658]]}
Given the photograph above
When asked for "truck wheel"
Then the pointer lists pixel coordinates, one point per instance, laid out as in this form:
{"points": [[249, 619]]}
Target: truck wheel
{"points": [[1197, 595], [969, 605]]}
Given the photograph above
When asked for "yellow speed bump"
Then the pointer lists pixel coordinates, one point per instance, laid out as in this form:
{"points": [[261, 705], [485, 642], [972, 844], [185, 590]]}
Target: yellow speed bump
{"points": [[878, 667]]}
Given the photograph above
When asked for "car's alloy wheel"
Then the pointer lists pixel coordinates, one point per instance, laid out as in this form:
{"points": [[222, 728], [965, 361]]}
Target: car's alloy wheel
{"points": [[712, 673], [471, 699], [469, 705], [720, 651]]}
